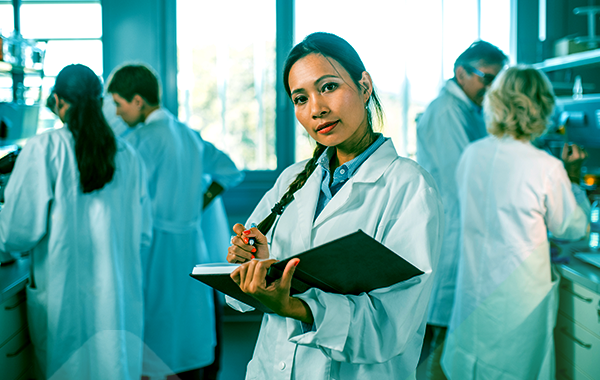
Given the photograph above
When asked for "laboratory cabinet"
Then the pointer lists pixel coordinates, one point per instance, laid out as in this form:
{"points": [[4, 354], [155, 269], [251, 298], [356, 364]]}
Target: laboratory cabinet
{"points": [[577, 333], [15, 347]]}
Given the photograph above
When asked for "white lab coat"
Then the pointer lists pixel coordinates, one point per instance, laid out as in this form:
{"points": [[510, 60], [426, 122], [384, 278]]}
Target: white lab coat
{"points": [[511, 195], [449, 124], [84, 300], [370, 336], [179, 313]]}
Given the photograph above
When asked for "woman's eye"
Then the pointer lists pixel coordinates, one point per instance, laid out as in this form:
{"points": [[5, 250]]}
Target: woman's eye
{"points": [[299, 99], [329, 87]]}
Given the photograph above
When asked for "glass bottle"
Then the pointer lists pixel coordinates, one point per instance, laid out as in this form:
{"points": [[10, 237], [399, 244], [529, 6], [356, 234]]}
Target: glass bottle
{"points": [[594, 241]]}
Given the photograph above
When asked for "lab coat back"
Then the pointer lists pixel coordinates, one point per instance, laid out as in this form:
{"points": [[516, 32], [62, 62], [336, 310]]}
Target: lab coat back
{"points": [[370, 336], [85, 297], [179, 311], [448, 125], [511, 195]]}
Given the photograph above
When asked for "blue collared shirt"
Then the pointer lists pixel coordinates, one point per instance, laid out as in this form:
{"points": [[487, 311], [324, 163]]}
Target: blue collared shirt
{"points": [[342, 173]]}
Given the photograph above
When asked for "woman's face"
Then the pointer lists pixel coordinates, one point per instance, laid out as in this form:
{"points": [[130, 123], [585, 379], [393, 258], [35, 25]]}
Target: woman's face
{"points": [[328, 103]]}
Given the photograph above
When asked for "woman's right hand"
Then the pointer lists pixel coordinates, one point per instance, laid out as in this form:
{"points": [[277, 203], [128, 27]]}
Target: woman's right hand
{"points": [[572, 157], [240, 251]]}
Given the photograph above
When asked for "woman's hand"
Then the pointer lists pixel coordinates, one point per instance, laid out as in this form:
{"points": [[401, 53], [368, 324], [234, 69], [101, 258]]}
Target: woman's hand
{"points": [[241, 251], [573, 156], [251, 278]]}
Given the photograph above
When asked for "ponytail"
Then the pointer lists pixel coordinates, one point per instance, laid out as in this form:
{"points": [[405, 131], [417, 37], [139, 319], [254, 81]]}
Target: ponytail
{"points": [[288, 197], [95, 144]]}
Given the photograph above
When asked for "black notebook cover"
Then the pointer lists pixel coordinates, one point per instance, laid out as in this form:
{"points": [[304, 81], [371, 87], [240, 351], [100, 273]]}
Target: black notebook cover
{"points": [[352, 264]]}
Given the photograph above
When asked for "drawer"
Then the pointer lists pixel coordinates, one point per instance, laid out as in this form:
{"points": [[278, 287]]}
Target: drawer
{"points": [[578, 346], [566, 371], [581, 305], [13, 316], [16, 356]]}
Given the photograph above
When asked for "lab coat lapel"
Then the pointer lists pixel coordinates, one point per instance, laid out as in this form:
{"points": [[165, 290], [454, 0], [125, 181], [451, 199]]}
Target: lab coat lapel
{"points": [[370, 171], [306, 203]]}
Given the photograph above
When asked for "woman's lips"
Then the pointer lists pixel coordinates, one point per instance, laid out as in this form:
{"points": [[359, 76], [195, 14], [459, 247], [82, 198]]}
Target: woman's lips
{"points": [[326, 127]]}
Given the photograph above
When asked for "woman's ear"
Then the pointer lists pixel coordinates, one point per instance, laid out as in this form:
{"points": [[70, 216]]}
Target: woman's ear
{"points": [[366, 85]]}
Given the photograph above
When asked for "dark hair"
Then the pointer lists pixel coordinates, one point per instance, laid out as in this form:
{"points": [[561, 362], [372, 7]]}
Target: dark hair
{"points": [[329, 46], [95, 144], [481, 50], [130, 80]]}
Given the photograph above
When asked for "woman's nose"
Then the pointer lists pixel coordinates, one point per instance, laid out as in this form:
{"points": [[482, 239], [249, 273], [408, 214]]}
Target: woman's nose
{"points": [[318, 109]]}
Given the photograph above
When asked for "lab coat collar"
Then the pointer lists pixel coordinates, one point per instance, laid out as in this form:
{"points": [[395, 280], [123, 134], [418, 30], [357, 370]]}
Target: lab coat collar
{"points": [[159, 114], [454, 89], [369, 172]]}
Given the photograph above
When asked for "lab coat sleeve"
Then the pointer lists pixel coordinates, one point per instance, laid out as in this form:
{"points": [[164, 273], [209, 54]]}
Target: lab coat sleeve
{"points": [[220, 167], [30, 190], [567, 207], [375, 327]]}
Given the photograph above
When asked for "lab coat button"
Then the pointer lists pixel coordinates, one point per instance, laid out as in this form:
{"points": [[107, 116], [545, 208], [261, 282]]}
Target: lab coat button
{"points": [[282, 366]]}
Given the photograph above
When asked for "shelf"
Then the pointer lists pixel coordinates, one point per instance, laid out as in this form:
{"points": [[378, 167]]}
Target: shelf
{"points": [[8, 68], [569, 61]]}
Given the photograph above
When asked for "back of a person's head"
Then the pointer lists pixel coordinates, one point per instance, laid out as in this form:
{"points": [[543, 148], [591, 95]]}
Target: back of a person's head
{"points": [[130, 80], [519, 103], [76, 83], [481, 51]]}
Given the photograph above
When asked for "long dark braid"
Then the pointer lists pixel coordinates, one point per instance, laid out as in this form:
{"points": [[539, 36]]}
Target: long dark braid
{"points": [[288, 197], [327, 45]]}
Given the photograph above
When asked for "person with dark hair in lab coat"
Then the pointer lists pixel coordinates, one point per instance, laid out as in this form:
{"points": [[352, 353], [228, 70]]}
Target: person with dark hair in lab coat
{"points": [[179, 330], [355, 180], [77, 198], [511, 195], [450, 122]]}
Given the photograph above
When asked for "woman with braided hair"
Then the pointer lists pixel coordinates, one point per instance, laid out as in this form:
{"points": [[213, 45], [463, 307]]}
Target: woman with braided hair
{"points": [[77, 200], [355, 180]]}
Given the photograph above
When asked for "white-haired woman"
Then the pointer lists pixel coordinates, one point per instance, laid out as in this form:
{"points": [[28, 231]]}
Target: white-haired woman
{"points": [[511, 195]]}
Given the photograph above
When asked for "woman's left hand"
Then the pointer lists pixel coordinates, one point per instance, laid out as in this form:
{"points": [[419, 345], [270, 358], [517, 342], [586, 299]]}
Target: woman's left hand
{"points": [[251, 278]]}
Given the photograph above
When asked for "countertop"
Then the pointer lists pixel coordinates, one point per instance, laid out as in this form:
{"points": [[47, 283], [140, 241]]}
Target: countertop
{"points": [[580, 272], [13, 277]]}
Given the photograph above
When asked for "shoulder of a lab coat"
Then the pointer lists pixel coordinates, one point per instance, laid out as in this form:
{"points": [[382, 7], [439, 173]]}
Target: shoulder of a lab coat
{"points": [[442, 137], [375, 327], [145, 201], [31, 189], [220, 166], [567, 217]]}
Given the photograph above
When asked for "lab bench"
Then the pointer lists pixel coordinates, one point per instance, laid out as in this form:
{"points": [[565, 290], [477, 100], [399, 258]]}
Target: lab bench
{"points": [[577, 332], [16, 351]]}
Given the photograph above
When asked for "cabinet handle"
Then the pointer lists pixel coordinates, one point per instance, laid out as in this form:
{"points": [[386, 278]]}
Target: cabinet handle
{"points": [[584, 345], [9, 307], [588, 300], [23, 347]]}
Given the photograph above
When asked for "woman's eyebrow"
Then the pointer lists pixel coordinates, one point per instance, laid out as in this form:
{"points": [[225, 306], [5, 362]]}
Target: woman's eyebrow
{"points": [[315, 82]]}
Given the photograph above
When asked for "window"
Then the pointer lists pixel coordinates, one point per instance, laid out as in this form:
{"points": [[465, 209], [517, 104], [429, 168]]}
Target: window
{"points": [[70, 31], [226, 80]]}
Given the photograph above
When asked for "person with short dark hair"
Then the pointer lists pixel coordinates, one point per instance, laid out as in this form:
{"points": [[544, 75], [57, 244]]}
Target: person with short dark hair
{"points": [[452, 121], [354, 180], [512, 195], [77, 199], [179, 330]]}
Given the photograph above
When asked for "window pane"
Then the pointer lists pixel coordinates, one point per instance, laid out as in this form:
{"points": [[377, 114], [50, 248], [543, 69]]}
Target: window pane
{"points": [[382, 46], [495, 23], [226, 78], [62, 53], [7, 20], [47, 21]]}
